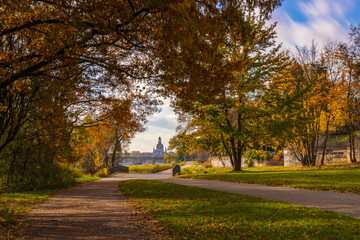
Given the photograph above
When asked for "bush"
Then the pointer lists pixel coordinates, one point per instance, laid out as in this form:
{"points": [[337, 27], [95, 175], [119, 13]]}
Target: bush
{"points": [[181, 163], [102, 173], [207, 165], [252, 154], [7, 215], [49, 176], [188, 170], [76, 172], [149, 168]]}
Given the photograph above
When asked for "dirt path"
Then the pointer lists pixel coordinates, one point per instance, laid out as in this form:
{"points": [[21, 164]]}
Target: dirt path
{"points": [[91, 211], [348, 204], [95, 210]]}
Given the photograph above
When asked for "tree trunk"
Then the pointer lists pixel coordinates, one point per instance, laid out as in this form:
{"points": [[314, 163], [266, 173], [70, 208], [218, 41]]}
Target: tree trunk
{"points": [[238, 147], [227, 150], [117, 147], [237, 165], [325, 142], [352, 148], [234, 148]]}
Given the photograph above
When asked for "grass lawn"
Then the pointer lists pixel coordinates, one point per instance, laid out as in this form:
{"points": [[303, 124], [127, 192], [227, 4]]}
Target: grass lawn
{"points": [[15, 205], [149, 168], [86, 179], [340, 178], [194, 213]]}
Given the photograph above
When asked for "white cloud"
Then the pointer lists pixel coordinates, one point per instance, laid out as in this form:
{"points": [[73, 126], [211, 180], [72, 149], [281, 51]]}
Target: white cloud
{"points": [[325, 8], [316, 8], [325, 20], [162, 125]]}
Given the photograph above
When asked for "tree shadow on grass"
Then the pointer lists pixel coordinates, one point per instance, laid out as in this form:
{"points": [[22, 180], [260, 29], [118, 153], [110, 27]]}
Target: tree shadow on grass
{"points": [[194, 213]]}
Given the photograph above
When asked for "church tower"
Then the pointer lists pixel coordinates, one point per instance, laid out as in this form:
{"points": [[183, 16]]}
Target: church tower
{"points": [[159, 150]]}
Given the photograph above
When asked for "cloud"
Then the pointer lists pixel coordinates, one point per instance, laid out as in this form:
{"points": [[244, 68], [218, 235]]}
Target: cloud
{"points": [[144, 142], [324, 20], [316, 8], [161, 124], [325, 8], [165, 123]]}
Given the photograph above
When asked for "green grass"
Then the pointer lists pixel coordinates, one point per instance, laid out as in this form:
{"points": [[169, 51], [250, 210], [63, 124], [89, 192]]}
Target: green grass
{"points": [[194, 213], [86, 179], [189, 169], [333, 178], [149, 168]]}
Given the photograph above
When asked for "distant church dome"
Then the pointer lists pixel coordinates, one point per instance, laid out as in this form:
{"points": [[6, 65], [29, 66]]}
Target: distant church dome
{"points": [[159, 151]]}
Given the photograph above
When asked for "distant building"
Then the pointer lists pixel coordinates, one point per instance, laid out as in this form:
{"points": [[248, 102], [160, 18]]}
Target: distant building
{"points": [[159, 151], [136, 157]]}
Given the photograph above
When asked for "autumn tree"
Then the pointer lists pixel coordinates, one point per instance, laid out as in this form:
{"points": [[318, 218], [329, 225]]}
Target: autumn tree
{"points": [[311, 74], [229, 97], [349, 61], [61, 60]]}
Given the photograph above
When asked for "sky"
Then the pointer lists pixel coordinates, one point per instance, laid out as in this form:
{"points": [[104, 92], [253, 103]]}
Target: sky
{"points": [[299, 22]]}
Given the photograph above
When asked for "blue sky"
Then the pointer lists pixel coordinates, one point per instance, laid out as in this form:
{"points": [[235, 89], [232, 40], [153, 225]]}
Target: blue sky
{"points": [[299, 22]]}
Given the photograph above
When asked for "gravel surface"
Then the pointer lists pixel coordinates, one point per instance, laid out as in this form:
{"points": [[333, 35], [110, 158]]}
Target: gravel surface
{"points": [[348, 204], [95, 210]]}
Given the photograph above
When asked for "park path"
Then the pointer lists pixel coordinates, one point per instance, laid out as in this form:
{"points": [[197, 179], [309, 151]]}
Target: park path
{"points": [[348, 204], [95, 210]]}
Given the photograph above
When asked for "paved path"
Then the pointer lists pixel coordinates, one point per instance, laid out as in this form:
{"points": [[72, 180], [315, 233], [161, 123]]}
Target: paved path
{"points": [[338, 202], [151, 176]]}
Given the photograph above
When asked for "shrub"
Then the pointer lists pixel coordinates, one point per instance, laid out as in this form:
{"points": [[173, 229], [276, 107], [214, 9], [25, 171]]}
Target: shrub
{"points": [[51, 177], [102, 173], [7, 215], [149, 168], [207, 165], [188, 170], [181, 163], [252, 154], [76, 172]]}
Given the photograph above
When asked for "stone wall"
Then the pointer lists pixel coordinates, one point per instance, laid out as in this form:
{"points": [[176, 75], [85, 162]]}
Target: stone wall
{"points": [[220, 163], [332, 156], [225, 162]]}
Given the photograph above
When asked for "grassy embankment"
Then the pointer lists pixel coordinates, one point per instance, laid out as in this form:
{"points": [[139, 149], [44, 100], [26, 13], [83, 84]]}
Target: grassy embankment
{"points": [[194, 213], [15, 205], [151, 168], [340, 177]]}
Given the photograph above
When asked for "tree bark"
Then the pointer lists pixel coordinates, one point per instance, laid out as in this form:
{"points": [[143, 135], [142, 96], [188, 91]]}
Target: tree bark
{"points": [[325, 142]]}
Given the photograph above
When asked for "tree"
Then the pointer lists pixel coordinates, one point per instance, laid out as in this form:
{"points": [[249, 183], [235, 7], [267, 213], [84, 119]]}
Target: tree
{"points": [[348, 55], [311, 74], [229, 98], [62, 60], [111, 43]]}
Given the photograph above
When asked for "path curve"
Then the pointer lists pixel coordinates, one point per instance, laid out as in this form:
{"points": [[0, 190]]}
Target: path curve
{"points": [[95, 210], [348, 204]]}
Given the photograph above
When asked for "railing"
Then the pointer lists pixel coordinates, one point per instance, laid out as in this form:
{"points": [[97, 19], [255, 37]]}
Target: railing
{"points": [[118, 169]]}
